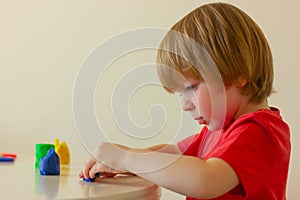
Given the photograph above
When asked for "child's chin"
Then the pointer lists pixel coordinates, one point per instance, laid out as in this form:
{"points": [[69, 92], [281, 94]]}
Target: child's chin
{"points": [[214, 126]]}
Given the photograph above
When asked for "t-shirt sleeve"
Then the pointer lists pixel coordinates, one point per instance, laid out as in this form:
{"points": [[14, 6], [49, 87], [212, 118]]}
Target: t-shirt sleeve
{"points": [[249, 150], [190, 145], [185, 143]]}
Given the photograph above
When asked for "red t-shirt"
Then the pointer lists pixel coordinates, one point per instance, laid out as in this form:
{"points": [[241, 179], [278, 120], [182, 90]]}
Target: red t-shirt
{"points": [[257, 146]]}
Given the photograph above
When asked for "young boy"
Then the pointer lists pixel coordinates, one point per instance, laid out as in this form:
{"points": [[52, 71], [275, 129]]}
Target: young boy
{"points": [[243, 151]]}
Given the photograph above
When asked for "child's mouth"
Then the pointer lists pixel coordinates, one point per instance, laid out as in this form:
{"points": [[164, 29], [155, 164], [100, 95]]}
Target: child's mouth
{"points": [[201, 120]]}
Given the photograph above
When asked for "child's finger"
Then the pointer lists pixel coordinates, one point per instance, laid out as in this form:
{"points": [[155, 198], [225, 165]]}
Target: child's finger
{"points": [[105, 171], [80, 174], [107, 174], [87, 166], [97, 167]]}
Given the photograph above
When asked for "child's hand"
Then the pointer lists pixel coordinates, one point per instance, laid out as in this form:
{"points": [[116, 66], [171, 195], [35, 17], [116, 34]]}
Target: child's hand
{"points": [[108, 158]]}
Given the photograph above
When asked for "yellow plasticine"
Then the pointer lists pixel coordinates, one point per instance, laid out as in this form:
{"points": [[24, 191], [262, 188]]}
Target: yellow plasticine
{"points": [[63, 151]]}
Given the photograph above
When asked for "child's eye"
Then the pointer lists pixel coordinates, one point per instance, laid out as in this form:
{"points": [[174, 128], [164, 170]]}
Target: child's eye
{"points": [[192, 87]]}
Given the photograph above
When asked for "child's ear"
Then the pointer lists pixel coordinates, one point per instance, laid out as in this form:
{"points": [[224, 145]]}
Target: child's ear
{"points": [[240, 82]]}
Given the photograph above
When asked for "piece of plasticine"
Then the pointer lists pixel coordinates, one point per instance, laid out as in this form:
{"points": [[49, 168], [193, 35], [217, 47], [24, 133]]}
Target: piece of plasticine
{"points": [[8, 155], [50, 165], [40, 152], [6, 159], [97, 175], [63, 151]]}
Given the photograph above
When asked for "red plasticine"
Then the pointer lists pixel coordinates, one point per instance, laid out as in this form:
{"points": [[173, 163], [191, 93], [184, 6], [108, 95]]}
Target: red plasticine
{"points": [[8, 155]]}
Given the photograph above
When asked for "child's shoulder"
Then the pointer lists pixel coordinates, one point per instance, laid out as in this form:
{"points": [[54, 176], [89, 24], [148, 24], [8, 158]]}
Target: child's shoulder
{"points": [[262, 116], [269, 120]]}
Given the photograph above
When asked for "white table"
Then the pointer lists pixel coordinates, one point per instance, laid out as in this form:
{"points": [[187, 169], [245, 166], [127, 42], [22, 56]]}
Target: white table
{"points": [[19, 180]]}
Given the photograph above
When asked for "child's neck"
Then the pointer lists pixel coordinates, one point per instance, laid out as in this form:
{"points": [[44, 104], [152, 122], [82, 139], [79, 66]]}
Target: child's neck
{"points": [[247, 107]]}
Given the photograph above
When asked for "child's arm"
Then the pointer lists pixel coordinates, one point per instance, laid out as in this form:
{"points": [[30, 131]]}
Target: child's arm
{"points": [[186, 175], [165, 148]]}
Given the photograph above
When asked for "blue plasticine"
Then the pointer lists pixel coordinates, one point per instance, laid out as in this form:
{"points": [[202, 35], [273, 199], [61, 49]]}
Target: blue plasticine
{"points": [[50, 164], [88, 179], [6, 159], [91, 179]]}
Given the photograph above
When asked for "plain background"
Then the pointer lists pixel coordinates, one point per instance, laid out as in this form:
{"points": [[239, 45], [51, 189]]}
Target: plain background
{"points": [[43, 44]]}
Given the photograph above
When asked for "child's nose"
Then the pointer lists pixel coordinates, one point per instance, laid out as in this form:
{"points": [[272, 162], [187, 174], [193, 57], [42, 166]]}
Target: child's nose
{"points": [[187, 105]]}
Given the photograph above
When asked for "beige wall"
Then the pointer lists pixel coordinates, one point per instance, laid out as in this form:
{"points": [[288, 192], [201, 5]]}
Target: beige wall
{"points": [[43, 44]]}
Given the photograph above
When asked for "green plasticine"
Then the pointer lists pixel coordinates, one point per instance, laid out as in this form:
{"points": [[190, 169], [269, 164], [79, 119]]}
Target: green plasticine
{"points": [[40, 152]]}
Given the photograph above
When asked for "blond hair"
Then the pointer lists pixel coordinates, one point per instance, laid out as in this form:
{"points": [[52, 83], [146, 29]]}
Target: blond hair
{"points": [[234, 42]]}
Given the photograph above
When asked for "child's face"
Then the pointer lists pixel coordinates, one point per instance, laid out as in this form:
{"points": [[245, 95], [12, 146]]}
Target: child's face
{"points": [[196, 100], [200, 100]]}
